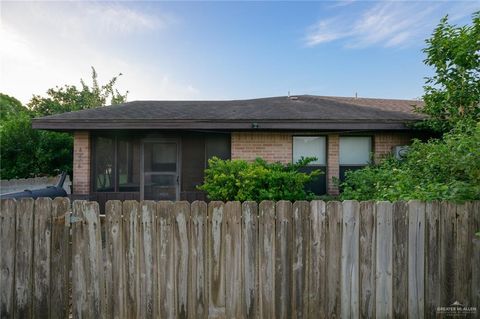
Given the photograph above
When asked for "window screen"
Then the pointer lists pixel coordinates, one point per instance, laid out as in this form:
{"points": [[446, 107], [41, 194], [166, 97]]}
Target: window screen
{"points": [[128, 157], [310, 146], [104, 164], [355, 150], [217, 145]]}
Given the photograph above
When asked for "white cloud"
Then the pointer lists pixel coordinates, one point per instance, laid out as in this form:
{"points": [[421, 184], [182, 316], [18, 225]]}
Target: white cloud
{"points": [[48, 44], [387, 24]]}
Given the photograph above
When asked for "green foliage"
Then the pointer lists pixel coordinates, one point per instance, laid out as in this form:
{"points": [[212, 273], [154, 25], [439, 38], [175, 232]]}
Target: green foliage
{"points": [[70, 98], [447, 168], [452, 94], [25, 152], [241, 180]]}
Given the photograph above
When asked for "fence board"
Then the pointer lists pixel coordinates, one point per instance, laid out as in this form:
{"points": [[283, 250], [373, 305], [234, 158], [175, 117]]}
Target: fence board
{"points": [[182, 227], [147, 259], [165, 253], [300, 260], [350, 305], [283, 257], [463, 275], [367, 259], [250, 258], [334, 255], [383, 288], [416, 263], [447, 246], [475, 260], [198, 302], [88, 283], [400, 259], [432, 251], [24, 258], [131, 239], [233, 261], [115, 271], [60, 259], [316, 272], [266, 259], [41, 257], [7, 256], [216, 258]]}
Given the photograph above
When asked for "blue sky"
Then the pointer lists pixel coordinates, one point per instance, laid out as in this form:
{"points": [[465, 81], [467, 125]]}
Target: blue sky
{"points": [[222, 50]]}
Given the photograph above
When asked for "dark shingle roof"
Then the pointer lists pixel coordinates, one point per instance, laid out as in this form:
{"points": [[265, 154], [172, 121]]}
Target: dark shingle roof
{"points": [[309, 112]]}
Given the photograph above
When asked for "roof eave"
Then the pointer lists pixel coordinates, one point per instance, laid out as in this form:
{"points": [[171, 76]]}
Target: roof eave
{"points": [[72, 125]]}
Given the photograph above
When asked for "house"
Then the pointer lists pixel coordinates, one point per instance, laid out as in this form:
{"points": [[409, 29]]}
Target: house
{"points": [[159, 149]]}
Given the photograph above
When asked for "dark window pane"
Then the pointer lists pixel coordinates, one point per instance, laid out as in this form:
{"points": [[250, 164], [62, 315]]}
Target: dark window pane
{"points": [[217, 145], [319, 185], [103, 161], [128, 164]]}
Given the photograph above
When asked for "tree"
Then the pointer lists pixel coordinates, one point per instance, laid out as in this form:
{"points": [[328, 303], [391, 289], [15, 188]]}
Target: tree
{"points": [[25, 152], [70, 98], [452, 94]]}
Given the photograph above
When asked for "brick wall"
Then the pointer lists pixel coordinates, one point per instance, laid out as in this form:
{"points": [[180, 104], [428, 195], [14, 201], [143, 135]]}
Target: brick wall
{"points": [[333, 169], [384, 142], [272, 147], [81, 163]]}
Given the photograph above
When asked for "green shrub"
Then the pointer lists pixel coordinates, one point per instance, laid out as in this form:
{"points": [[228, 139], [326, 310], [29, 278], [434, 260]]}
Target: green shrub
{"points": [[241, 180], [447, 168]]}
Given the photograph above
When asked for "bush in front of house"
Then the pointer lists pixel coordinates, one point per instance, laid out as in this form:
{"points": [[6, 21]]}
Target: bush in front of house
{"points": [[240, 180], [440, 169]]}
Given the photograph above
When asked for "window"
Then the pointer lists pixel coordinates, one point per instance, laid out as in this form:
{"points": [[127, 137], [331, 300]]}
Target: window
{"points": [[312, 146], [128, 160], [354, 153], [116, 164], [217, 145], [104, 164]]}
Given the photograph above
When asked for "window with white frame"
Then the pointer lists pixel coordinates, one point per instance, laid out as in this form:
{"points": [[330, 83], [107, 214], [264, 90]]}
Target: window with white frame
{"points": [[355, 150], [312, 146]]}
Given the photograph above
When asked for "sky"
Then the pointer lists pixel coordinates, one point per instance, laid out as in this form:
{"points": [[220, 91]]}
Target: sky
{"points": [[222, 50]]}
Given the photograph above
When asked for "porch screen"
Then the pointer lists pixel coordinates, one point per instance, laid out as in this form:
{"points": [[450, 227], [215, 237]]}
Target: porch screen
{"points": [[312, 146], [354, 153], [104, 164]]}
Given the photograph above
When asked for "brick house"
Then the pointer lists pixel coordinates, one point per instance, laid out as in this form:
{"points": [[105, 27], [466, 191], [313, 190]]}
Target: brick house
{"points": [[159, 149]]}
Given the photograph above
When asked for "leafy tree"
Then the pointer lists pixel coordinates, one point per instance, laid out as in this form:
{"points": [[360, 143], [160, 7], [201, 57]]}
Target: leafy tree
{"points": [[449, 167], [25, 152], [10, 107], [70, 98], [241, 180], [452, 94]]}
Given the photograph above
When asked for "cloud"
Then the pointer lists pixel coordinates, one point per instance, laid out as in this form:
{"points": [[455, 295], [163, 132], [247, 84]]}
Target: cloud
{"points": [[386, 24], [51, 44]]}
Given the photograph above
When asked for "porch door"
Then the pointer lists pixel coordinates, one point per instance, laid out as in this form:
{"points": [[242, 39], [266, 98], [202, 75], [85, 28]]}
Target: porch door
{"points": [[161, 170]]}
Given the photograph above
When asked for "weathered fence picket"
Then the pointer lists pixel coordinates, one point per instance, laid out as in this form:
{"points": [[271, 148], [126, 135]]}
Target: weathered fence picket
{"points": [[237, 260]]}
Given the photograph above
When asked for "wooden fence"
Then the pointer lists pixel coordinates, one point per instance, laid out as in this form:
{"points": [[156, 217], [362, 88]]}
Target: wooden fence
{"points": [[237, 260]]}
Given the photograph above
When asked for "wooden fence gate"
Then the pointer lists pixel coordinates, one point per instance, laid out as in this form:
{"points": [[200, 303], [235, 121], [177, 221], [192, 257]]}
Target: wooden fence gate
{"points": [[237, 260]]}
